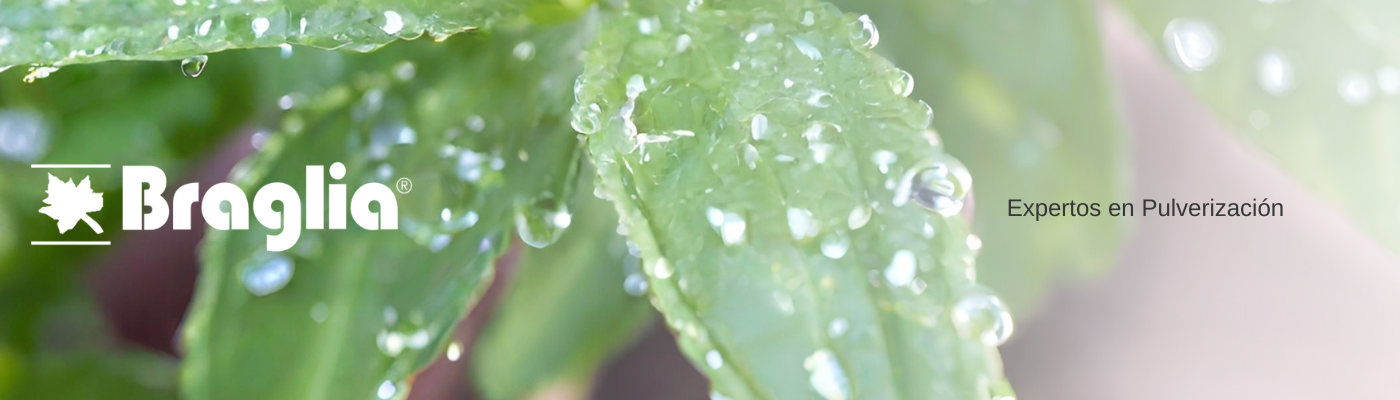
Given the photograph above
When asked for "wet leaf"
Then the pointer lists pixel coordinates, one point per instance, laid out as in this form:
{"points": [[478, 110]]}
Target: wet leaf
{"points": [[1022, 97], [569, 307], [1313, 83], [63, 32], [349, 314], [798, 227]]}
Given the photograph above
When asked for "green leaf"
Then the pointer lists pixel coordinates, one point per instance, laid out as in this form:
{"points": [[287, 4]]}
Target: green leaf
{"points": [[1314, 84], [565, 312], [63, 32], [1021, 95], [762, 158], [352, 313]]}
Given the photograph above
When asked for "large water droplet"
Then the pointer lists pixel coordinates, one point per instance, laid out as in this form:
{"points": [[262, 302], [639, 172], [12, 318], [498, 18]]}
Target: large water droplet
{"points": [[194, 65], [540, 222], [386, 390], [266, 273], [393, 22], [1192, 43], [984, 317], [864, 33], [758, 126], [939, 188], [902, 267], [730, 225], [586, 119], [1276, 74], [834, 246], [24, 137], [635, 285], [454, 351], [902, 83], [714, 359], [801, 223], [826, 375], [1355, 88]]}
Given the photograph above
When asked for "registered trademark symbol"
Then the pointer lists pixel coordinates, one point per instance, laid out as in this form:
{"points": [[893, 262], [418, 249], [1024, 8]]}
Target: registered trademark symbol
{"points": [[405, 185]]}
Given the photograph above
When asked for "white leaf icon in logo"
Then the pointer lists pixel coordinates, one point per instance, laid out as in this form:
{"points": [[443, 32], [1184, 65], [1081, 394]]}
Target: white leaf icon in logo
{"points": [[68, 203]]}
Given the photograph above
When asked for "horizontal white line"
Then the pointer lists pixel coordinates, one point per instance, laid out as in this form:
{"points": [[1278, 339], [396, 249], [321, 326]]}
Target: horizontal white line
{"points": [[71, 166], [70, 243]]}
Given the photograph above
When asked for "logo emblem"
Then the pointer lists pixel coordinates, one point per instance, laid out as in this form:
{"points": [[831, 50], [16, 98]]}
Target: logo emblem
{"points": [[69, 203]]}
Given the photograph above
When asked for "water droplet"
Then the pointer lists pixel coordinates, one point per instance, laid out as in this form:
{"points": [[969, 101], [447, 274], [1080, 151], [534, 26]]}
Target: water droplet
{"points": [[393, 22], [648, 26], [286, 50], [635, 285], [524, 51], [454, 351], [939, 188], [984, 317], [635, 86], [260, 25], [661, 269], [864, 33], [923, 118], [859, 216], [826, 375], [730, 225], [540, 222], [837, 328], [1356, 88], [974, 242], [172, 33], [834, 245], [682, 42], [819, 99], [901, 270], [24, 137], [266, 273], [1276, 73], [386, 390], [1192, 43], [903, 83], [801, 223], [469, 166], [807, 49], [713, 359], [751, 156], [758, 126], [320, 311], [193, 66], [883, 159]]}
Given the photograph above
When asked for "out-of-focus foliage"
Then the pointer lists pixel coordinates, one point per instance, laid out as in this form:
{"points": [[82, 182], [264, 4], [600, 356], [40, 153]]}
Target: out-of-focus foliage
{"points": [[568, 308], [62, 32], [1021, 95], [799, 229], [75, 360], [1315, 83], [353, 313]]}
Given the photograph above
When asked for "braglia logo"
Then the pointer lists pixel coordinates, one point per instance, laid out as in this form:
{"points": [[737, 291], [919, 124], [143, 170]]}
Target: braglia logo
{"points": [[142, 186]]}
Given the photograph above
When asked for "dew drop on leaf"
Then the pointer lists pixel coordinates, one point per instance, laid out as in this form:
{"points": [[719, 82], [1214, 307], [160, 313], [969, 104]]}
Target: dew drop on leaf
{"points": [[635, 285], [266, 273], [193, 66], [834, 246], [864, 33], [713, 359], [540, 221], [386, 390], [982, 316], [901, 270], [1192, 43], [826, 376], [903, 83]]}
